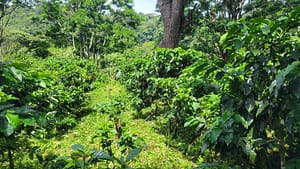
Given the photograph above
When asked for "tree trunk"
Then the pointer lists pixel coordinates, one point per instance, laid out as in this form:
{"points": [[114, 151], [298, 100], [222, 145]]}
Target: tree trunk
{"points": [[172, 17]]}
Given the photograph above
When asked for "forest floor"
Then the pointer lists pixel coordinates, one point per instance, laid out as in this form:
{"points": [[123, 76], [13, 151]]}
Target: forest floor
{"points": [[156, 155]]}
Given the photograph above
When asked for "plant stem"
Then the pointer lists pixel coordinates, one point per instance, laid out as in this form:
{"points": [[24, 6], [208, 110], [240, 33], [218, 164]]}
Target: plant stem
{"points": [[10, 158]]}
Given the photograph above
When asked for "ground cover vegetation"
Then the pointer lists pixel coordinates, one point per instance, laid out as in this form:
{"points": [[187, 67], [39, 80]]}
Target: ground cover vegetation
{"points": [[84, 84]]}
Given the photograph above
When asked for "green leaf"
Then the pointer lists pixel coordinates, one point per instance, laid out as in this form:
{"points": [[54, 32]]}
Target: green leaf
{"points": [[240, 119], [103, 155], [9, 130], [28, 121], [5, 97], [195, 106], [133, 153], [254, 51], [78, 147], [265, 28], [214, 134], [13, 120], [262, 106], [280, 77], [238, 44], [223, 38], [204, 147], [252, 155], [5, 127], [14, 71], [122, 160], [42, 84], [7, 106], [193, 121], [249, 104], [219, 75], [228, 138]]}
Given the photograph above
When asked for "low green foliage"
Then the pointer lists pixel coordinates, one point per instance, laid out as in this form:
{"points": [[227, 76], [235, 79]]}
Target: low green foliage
{"points": [[39, 96], [16, 113], [165, 63], [235, 110]]}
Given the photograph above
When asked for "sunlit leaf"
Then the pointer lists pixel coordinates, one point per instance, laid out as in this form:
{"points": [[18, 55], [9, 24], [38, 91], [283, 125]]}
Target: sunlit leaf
{"points": [[13, 120], [223, 38], [28, 121], [240, 119], [262, 106], [249, 104], [265, 28], [15, 72]]}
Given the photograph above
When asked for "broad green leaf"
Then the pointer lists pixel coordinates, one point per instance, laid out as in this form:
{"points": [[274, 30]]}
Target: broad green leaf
{"points": [[195, 106], [42, 84], [8, 75], [132, 154], [262, 107], [193, 121], [5, 127], [252, 156], [103, 155], [280, 77], [9, 130], [16, 73], [214, 134], [228, 138], [122, 160], [223, 38], [249, 104], [265, 28], [240, 119], [254, 51], [6, 106], [282, 18], [14, 120], [23, 111], [28, 121], [77, 147], [204, 147], [238, 44]]}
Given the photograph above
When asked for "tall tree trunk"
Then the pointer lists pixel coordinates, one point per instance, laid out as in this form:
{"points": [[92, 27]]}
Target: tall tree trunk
{"points": [[172, 17]]}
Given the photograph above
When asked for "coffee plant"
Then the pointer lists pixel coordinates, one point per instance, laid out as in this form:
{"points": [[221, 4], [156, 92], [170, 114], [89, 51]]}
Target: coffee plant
{"points": [[16, 112], [165, 63], [258, 125], [238, 109], [40, 96]]}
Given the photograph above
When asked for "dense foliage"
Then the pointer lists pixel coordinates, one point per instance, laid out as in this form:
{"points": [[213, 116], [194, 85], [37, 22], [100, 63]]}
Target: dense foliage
{"points": [[229, 97], [139, 75], [42, 98], [242, 108]]}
